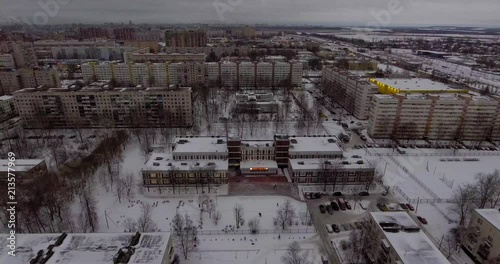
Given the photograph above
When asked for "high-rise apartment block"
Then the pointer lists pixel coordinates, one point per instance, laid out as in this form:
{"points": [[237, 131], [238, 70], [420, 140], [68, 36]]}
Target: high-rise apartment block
{"points": [[12, 80], [246, 75], [23, 53], [185, 38], [102, 106], [7, 61], [349, 90]]}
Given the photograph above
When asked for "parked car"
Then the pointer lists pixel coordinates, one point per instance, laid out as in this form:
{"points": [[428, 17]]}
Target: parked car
{"points": [[421, 219], [337, 194], [403, 206], [336, 228], [341, 204], [329, 228], [381, 206], [364, 193], [317, 195], [335, 206], [384, 193], [307, 195], [348, 205], [322, 209], [410, 207], [363, 138], [329, 209]]}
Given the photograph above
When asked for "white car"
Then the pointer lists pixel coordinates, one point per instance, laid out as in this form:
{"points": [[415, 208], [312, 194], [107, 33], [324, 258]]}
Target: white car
{"points": [[329, 228]]}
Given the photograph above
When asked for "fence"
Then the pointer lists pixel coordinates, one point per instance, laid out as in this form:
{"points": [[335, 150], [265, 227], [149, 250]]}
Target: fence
{"points": [[339, 187], [261, 231], [414, 178], [471, 153], [417, 200]]}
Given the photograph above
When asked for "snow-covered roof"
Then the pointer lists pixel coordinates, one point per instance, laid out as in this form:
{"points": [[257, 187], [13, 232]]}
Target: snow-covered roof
{"points": [[491, 215], [200, 145], [315, 164], [411, 84], [164, 162], [314, 144], [247, 164], [257, 143], [6, 97], [20, 164], [27, 246], [411, 247]]}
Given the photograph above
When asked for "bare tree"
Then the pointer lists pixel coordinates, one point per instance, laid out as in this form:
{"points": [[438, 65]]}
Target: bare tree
{"points": [[285, 214], [210, 207], [130, 225], [185, 234], [129, 184], [216, 217], [88, 215], [486, 187], [295, 255], [238, 215], [464, 198], [448, 245], [120, 189], [254, 225], [362, 243], [145, 221]]}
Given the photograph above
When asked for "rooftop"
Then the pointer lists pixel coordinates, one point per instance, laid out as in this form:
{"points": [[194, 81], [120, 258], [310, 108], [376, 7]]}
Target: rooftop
{"points": [[491, 215], [411, 247], [314, 144], [6, 97], [164, 162], [20, 164], [348, 162], [200, 145], [408, 85], [247, 164]]}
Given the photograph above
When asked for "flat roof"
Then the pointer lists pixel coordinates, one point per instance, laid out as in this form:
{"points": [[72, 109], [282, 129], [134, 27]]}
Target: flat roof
{"points": [[415, 84], [247, 164], [27, 246], [20, 164], [165, 162], [257, 143], [344, 163], [491, 215], [200, 145], [314, 144], [411, 247], [6, 97]]}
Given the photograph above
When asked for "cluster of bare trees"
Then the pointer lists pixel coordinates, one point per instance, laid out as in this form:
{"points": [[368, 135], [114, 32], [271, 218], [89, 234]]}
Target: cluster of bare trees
{"points": [[209, 206], [144, 222], [185, 234], [295, 255], [361, 244], [285, 215], [485, 191]]}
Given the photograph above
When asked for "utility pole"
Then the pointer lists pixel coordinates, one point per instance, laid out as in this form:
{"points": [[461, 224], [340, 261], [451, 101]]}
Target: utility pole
{"points": [[106, 216], [416, 208]]}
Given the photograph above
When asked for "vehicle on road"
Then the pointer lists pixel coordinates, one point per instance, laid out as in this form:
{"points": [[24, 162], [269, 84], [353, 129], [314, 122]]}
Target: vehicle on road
{"points": [[348, 205], [322, 209], [410, 207], [336, 228], [329, 228], [403, 206], [341, 204], [337, 194], [335, 206], [329, 209], [364, 193], [421, 219]]}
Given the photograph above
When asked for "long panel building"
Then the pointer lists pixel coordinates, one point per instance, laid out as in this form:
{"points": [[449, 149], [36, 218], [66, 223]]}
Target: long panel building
{"points": [[246, 75], [102, 106]]}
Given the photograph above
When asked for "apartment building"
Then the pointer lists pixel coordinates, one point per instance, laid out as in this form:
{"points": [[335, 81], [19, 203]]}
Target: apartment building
{"points": [[12, 80], [93, 33], [124, 33], [482, 239], [102, 106], [435, 116], [246, 75], [167, 57], [185, 38], [7, 109], [349, 90], [49, 49], [400, 240], [23, 53], [7, 61], [256, 103]]}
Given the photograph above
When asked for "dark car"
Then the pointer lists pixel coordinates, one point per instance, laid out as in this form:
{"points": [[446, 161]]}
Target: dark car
{"points": [[317, 195], [335, 206], [381, 206], [403, 206], [337, 194], [336, 228], [421, 219], [364, 193], [322, 209], [329, 209], [348, 205], [307, 195], [410, 207]]}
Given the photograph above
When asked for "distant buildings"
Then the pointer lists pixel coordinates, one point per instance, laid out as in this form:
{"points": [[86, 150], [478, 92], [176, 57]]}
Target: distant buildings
{"points": [[7, 109], [349, 90], [105, 107], [7, 61], [482, 238], [256, 103], [93, 33], [246, 75], [185, 38], [166, 57], [124, 33], [23, 53], [399, 240]]}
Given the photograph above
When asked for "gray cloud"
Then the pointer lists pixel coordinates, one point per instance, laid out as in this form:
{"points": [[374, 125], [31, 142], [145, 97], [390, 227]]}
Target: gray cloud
{"points": [[331, 12]]}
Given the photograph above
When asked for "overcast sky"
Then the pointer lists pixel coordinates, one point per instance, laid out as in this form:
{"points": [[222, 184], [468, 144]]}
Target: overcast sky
{"points": [[328, 12]]}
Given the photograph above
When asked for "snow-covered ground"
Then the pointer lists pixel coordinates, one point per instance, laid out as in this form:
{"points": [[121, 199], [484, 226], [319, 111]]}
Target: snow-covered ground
{"points": [[252, 249]]}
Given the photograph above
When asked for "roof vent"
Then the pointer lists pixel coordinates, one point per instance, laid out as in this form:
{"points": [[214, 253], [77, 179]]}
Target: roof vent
{"points": [[169, 164], [345, 162], [293, 140], [184, 164], [197, 164], [360, 162], [220, 141], [356, 156], [300, 163], [156, 164], [331, 140], [158, 158]]}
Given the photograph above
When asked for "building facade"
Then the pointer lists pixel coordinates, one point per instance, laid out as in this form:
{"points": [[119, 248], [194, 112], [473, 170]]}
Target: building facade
{"points": [[105, 107], [7, 61], [167, 57], [185, 38], [7, 109], [482, 237], [435, 116], [12, 80], [256, 103], [349, 90]]}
